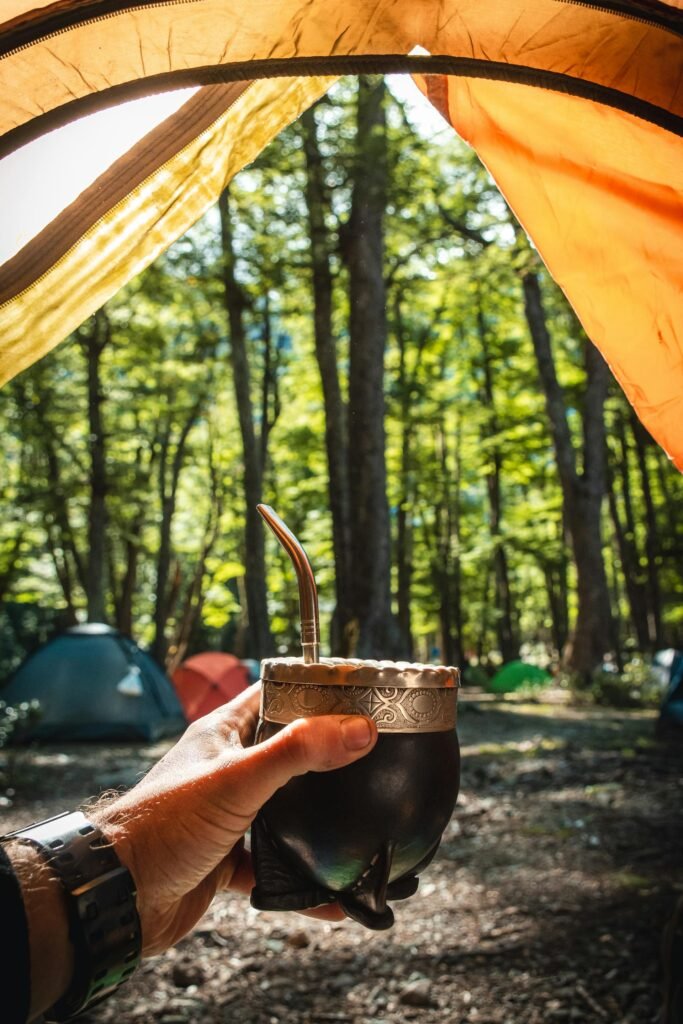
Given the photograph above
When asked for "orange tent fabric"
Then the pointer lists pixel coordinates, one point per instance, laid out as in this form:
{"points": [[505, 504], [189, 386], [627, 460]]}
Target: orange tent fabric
{"points": [[602, 198], [576, 107], [205, 681]]}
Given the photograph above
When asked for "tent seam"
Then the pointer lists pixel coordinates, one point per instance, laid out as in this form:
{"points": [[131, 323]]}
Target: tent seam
{"points": [[124, 199]]}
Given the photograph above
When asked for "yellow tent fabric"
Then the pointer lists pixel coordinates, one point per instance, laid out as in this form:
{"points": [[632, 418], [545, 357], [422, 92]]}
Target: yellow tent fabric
{"points": [[130, 214], [575, 107]]}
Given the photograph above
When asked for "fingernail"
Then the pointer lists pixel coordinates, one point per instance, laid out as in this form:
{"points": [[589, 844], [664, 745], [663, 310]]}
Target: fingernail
{"points": [[356, 733]]}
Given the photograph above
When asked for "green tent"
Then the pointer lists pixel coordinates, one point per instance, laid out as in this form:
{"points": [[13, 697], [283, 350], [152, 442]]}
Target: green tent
{"points": [[517, 674]]}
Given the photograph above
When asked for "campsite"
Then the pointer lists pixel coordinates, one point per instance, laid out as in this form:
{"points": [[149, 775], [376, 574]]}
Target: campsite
{"points": [[545, 903], [340, 351]]}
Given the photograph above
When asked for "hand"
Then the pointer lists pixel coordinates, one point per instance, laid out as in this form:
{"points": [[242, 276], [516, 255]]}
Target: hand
{"points": [[180, 830]]}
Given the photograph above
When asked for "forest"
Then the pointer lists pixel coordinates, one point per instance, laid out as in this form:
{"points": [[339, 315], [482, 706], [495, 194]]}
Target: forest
{"points": [[360, 334]]}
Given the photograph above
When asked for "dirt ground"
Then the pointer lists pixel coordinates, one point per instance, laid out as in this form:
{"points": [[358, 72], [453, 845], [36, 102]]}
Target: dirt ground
{"points": [[546, 902]]}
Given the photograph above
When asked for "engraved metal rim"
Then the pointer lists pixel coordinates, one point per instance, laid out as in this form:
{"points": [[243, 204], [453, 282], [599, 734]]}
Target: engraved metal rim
{"points": [[355, 672], [393, 708]]}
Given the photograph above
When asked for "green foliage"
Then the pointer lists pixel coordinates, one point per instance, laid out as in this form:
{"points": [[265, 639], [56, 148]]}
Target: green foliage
{"points": [[637, 686], [453, 267], [13, 716], [24, 626], [475, 675]]}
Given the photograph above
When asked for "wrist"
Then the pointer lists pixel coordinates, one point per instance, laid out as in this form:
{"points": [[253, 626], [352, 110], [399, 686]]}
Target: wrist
{"points": [[45, 905], [121, 829], [90, 897], [114, 825]]}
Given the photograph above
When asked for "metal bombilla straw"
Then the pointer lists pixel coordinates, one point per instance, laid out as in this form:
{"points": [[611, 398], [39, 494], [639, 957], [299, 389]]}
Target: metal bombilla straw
{"points": [[308, 592]]}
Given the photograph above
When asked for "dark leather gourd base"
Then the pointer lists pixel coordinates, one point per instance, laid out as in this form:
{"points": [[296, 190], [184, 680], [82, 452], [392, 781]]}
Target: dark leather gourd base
{"points": [[279, 886], [358, 835]]}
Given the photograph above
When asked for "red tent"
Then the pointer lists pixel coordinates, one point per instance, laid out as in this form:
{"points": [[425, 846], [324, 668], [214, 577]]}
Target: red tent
{"points": [[205, 681]]}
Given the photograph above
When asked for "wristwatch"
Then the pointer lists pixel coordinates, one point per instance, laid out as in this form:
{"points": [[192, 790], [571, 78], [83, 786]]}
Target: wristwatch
{"points": [[104, 925]]}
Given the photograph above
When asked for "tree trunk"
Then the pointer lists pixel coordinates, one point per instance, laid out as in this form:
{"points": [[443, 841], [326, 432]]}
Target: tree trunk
{"points": [[449, 561], [583, 493], [404, 547], [563, 584], [57, 501], [123, 589], [628, 556], [258, 640], [652, 535], [124, 601], [270, 389], [63, 573], [482, 645], [404, 543], [167, 583], [193, 601], [615, 601], [408, 397], [94, 342], [378, 633], [194, 595], [9, 569], [457, 657], [663, 467], [326, 355], [554, 592], [505, 627]]}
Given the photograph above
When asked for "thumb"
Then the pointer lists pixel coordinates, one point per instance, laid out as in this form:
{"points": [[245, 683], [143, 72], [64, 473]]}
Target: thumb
{"points": [[307, 745]]}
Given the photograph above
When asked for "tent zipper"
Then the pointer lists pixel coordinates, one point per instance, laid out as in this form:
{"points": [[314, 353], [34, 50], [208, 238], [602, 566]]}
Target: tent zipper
{"points": [[78, 23], [618, 10]]}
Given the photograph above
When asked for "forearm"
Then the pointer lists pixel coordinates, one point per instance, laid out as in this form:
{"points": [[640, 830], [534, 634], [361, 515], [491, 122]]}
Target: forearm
{"points": [[51, 952], [164, 848]]}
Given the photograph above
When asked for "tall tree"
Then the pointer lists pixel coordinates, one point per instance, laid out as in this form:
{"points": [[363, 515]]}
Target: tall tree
{"points": [[58, 471], [404, 538], [326, 354], [317, 202], [93, 338], [445, 543], [377, 630], [172, 454], [643, 442], [258, 638], [624, 526], [583, 489], [508, 641]]}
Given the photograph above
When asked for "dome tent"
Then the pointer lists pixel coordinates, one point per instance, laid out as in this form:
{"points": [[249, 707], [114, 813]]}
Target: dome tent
{"points": [[205, 681], [516, 674], [575, 106], [670, 719], [94, 683]]}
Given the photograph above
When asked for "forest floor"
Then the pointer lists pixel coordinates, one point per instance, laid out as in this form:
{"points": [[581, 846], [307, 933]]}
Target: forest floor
{"points": [[545, 904]]}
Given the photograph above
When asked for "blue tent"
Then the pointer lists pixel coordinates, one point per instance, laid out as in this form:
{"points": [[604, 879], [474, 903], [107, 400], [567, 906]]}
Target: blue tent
{"points": [[94, 683], [671, 711]]}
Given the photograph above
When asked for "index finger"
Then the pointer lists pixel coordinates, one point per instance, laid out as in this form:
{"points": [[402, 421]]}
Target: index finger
{"points": [[247, 706], [237, 718]]}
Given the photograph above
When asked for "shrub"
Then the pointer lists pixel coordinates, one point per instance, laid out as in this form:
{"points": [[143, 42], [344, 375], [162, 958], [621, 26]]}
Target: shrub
{"points": [[636, 687]]}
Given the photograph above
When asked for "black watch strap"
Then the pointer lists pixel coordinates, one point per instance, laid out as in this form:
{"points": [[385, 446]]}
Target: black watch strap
{"points": [[104, 926]]}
